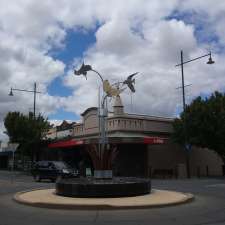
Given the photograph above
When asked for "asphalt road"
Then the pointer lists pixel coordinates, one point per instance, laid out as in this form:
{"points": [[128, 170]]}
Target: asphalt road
{"points": [[207, 208]]}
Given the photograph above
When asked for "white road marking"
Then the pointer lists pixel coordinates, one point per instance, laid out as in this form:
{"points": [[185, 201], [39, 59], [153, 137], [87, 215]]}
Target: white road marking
{"points": [[215, 185]]}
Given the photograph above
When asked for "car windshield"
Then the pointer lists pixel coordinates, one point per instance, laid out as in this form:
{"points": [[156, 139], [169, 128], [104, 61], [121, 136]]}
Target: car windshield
{"points": [[61, 165]]}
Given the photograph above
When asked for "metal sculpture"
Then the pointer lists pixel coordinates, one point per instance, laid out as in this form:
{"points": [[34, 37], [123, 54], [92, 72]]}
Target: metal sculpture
{"points": [[110, 90], [83, 70], [129, 81]]}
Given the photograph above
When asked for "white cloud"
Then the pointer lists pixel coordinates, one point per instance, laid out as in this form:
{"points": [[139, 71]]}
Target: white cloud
{"points": [[3, 136], [132, 36], [58, 122], [154, 51]]}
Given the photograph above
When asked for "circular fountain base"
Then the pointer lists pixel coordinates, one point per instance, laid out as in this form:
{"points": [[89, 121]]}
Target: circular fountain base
{"points": [[115, 187]]}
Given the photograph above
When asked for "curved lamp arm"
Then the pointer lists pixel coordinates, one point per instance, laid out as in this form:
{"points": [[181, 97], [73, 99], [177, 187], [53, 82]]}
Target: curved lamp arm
{"points": [[84, 69], [98, 74]]}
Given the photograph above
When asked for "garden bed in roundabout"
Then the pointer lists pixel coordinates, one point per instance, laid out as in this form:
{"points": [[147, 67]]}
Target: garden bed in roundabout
{"points": [[115, 187]]}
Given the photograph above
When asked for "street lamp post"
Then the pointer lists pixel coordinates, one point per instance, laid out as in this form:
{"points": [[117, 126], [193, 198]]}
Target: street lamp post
{"points": [[210, 61], [31, 91]]}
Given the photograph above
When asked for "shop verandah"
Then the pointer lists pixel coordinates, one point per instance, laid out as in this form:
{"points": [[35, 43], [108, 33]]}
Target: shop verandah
{"points": [[131, 154], [156, 157]]}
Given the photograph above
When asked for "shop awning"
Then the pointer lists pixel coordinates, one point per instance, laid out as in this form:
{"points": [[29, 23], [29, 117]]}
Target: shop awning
{"points": [[154, 140], [65, 143], [6, 153]]}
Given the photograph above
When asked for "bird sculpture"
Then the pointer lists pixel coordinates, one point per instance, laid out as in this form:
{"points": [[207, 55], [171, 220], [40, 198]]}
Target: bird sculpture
{"points": [[83, 70], [110, 90], [129, 81]]}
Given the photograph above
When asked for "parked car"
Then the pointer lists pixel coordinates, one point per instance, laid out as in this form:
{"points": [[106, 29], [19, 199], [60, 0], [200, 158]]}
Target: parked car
{"points": [[52, 170]]}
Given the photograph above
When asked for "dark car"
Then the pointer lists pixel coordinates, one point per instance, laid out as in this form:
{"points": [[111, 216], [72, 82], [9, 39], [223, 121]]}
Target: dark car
{"points": [[52, 170]]}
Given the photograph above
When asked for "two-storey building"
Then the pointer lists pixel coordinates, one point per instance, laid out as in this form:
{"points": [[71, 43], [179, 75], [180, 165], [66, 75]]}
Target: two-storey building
{"points": [[143, 142]]}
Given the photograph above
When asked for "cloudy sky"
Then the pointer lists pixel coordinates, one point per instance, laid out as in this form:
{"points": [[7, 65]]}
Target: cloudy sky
{"points": [[43, 41]]}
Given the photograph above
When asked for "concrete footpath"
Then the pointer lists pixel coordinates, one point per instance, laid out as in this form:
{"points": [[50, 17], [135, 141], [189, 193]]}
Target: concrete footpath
{"points": [[47, 198]]}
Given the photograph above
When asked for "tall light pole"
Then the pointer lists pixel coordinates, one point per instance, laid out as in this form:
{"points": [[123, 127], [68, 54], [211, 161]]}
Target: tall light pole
{"points": [[31, 91], [210, 61]]}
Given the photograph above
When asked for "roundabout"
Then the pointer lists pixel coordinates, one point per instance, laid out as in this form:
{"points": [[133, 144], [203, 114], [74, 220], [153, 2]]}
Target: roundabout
{"points": [[206, 208], [46, 198]]}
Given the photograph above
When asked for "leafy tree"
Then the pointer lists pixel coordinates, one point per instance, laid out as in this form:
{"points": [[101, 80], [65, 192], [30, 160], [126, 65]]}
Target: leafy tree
{"points": [[26, 131], [204, 120]]}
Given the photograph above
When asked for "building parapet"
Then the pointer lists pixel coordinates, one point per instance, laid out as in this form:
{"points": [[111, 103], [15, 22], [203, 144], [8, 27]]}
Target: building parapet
{"points": [[78, 130], [124, 123], [140, 124]]}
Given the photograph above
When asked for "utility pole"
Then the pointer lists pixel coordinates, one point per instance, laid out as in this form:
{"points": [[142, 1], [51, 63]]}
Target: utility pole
{"points": [[186, 139], [184, 115], [31, 91], [35, 92]]}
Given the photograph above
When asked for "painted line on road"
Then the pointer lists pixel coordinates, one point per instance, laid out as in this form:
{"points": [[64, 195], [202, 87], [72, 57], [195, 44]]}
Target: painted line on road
{"points": [[215, 185]]}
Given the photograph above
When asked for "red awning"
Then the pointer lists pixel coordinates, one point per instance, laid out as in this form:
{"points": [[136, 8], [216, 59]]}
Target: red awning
{"points": [[154, 140], [64, 144]]}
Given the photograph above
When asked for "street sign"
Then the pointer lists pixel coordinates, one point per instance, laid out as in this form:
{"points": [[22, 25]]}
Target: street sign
{"points": [[13, 146], [188, 147]]}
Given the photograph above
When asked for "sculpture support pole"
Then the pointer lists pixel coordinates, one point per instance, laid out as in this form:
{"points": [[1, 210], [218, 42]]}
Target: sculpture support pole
{"points": [[103, 115]]}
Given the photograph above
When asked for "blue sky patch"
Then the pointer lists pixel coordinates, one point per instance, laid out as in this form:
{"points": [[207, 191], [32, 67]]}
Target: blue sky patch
{"points": [[56, 88], [63, 115], [76, 44]]}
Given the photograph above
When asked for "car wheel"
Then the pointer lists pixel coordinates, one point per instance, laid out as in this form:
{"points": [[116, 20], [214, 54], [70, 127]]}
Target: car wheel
{"points": [[37, 178]]}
